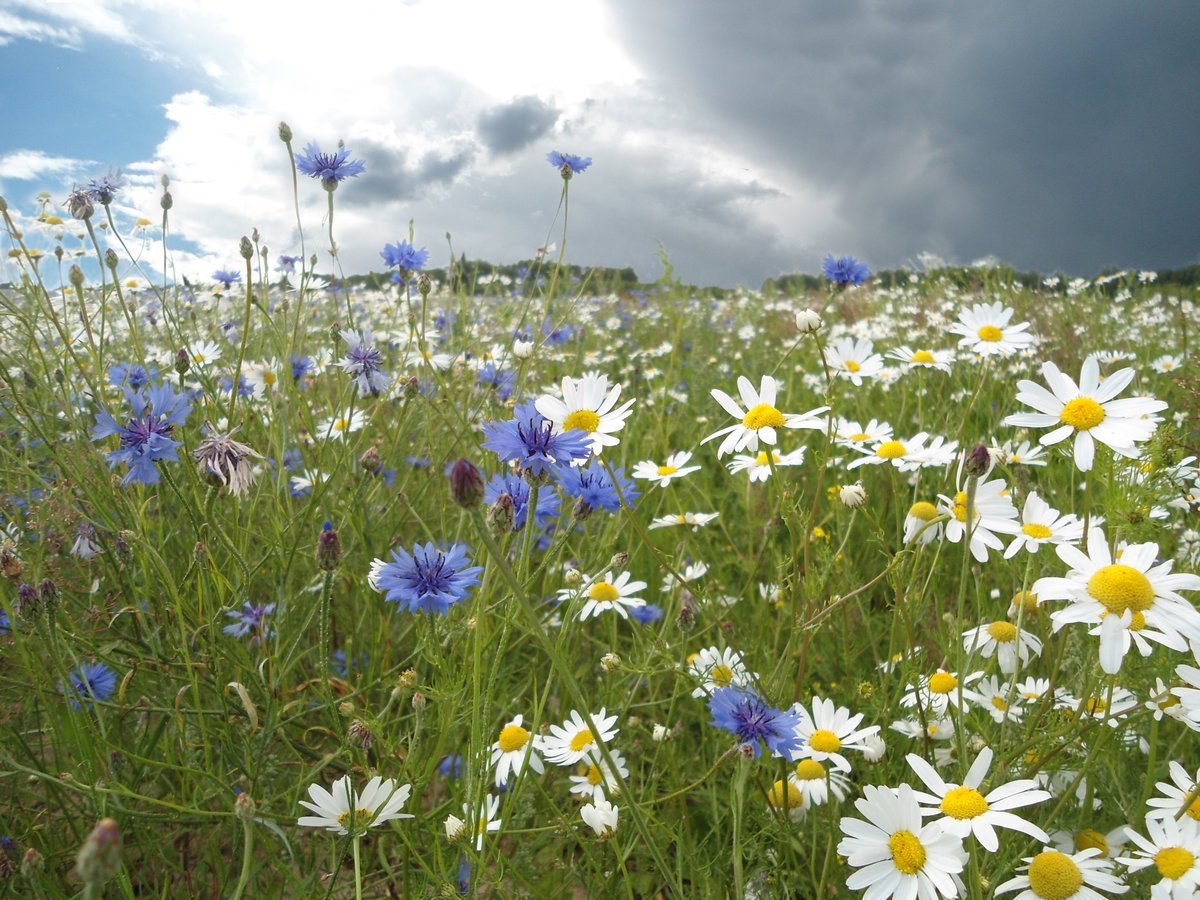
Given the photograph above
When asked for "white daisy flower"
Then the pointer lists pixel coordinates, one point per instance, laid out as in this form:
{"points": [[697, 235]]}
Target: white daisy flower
{"points": [[1189, 697], [1032, 689], [1042, 524], [1025, 454], [815, 781], [675, 467], [589, 405], [1002, 640], [937, 692], [909, 454], [1173, 848], [851, 434], [568, 743], [718, 668], [993, 696], [1088, 410], [985, 330], [917, 523], [337, 427], [601, 816], [1174, 796], [1166, 364], [965, 810], [515, 748], [1053, 875], [693, 571], [343, 810], [606, 592], [895, 854], [923, 359], [994, 513], [686, 520], [760, 419], [204, 353], [853, 359], [598, 780], [828, 731], [758, 467]]}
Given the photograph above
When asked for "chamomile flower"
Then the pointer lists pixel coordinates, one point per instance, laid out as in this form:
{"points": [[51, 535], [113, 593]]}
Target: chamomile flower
{"points": [[589, 405], [1024, 454], [993, 513], [760, 419], [1042, 524], [758, 467], [693, 571], [920, 523], [853, 359], [1002, 640], [204, 353], [998, 699], [514, 748], [606, 593], [481, 820], [923, 359], [965, 810], [1053, 875], [601, 816], [895, 854], [1173, 848], [683, 520], [909, 454], [717, 668], [1166, 364], [851, 434], [336, 427], [570, 742], [830, 730], [937, 692], [815, 780], [1172, 802], [598, 780], [1089, 410], [676, 466], [985, 330], [343, 810], [1189, 696]]}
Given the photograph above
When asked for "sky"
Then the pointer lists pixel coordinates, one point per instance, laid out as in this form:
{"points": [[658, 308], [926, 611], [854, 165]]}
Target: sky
{"points": [[744, 140]]}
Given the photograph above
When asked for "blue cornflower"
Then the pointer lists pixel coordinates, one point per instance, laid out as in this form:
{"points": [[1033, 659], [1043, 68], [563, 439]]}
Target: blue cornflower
{"points": [[104, 189], [343, 665], [302, 366], [245, 388], [286, 264], [330, 168], [559, 334], [426, 580], [146, 438], [746, 715], [502, 380], [227, 277], [131, 374], [251, 620], [5, 622], [568, 161], [450, 765], [404, 256], [593, 487], [529, 439], [845, 270], [89, 684], [518, 489], [646, 614], [364, 361]]}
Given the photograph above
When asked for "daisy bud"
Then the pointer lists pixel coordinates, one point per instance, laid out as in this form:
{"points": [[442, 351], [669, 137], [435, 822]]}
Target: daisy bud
{"points": [[610, 662], [978, 462], [360, 735], [852, 496], [245, 808], [33, 863], [329, 548], [466, 484], [660, 733], [58, 252], [456, 829], [874, 748], [100, 856], [501, 514], [418, 701], [110, 259], [522, 349], [573, 577], [285, 132], [601, 814], [808, 321]]}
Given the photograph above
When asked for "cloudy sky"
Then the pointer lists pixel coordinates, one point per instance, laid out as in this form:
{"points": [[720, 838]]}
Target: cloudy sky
{"points": [[749, 139]]}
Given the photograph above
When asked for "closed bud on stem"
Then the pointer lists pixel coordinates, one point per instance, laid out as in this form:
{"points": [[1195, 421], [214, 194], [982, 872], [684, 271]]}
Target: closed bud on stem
{"points": [[110, 259], [329, 548], [581, 510], [573, 577], [58, 252], [808, 321], [418, 701], [466, 484], [501, 514], [424, 284], [100, 856], [33, 863], [285, 133], [245, 248], [978, 462], [245, 808], [76, 277], [121, 545], [610, 662], [852, 496], [371, 461], [360, 735], [183, 361], [254, 235], [166, 201], [619, 560]]}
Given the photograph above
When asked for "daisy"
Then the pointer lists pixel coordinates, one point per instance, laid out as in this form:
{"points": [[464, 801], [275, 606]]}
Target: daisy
{"points": [[687, 520], [909, 454], [1002, 640], [1173, 800], [1189, 696], [829, 730], [590, 406], [917, 523], [994, 513], [897, 856], [758, 467], [606, 593], [342, 810], [994, 697], [484, 818], [204, 353], [965, 810], [1042, 524], [853, 435], [515, 747], [985, 330], [760, 418], [787, 796], [676, 467], [1123, 597], [1165, 364], [815, 781], [853, 359], [938, 691], [1088, 410], [337, 427], [1173, 847], [718, 668], [597, 779], [1053, 875], [1025, 454], [693, 571], [601, 816], [568, 743], [923, 359]]}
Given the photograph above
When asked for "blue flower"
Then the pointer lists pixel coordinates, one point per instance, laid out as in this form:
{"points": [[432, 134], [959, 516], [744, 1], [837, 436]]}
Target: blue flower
{"points": [[343, 665], [89, 684], [364, 361], [251, 620], [245, 388], [529, 439], [593, 487], [227, 277], [404, 256], [845, 270], [131, 374], [649, 612], [302, 366], [450, 766], [746, 715], [104, 188], [329, 168], [426, 580], [146, 437], [570, 161], [518, 489], [286, 264], [5, 622], [502, 380]]}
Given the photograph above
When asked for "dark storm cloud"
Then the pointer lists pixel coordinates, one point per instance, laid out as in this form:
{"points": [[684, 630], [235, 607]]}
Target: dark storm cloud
{"points": [[1052, 135], [513, 126], [392, 175]]}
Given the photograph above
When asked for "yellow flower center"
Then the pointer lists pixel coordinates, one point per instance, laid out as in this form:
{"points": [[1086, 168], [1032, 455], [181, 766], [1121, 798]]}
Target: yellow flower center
{"points": [[582, 419], [666, 470], [581, 740], [990, 333], [764, 416], [512, 737], [1174, 862], [781, 794], [908, 855], [964, 803], [891, 450], [852, 366], [1082, 413], [721, 675], [362, 818], [1000, 703], [923, 510], [603, 592], [810, 770], [269, 378], [761, 459], [922, 356], [1054, 876], [1096, 705], [942, 683], [341, 424], [1040, 532], [1091, 839], [1121, 587], [593, 775], [825, 741], [1026, 599], [861, 436], [1002, 632], [1193, 811], [960, 506]]}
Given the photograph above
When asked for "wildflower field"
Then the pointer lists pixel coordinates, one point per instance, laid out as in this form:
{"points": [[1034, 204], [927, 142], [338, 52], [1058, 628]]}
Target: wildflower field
{"points": [[445, 582]]}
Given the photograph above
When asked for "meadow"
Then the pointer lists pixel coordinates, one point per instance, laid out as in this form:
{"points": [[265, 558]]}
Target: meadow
{"points": [[441, 583]]}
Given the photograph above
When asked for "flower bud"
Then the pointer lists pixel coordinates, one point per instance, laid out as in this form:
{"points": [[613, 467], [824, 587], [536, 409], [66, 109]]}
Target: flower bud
{"points": [[166, 201], [33, 863], [808, 321], [852, 496], [610, 662], [183, 361], [466, 484], [501, 514], [245, 248], [456, 829], [581, 510], [619, 560], [978, 462], [329, 548], [419, 702], [110, 259], [285, 133], [245, 808], [76, 277], [522, 349], [573, 577], [360, 735], [371, 461], [424, 284], [100, 856]]}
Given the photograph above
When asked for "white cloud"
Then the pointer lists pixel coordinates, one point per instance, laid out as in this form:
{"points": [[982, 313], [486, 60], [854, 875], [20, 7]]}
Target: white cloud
{"points": [[26, 165], [14, 27]]}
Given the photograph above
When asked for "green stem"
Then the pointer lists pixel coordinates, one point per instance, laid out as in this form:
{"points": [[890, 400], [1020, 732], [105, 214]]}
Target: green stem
{"points": [[247, 855]]}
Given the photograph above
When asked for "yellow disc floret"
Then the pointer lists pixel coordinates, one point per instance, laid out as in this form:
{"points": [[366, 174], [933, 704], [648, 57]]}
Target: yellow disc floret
{"points": [[1121, 587], [964, 803], [908, 854], [1054, 876], [1002, 632], [922, 356], [825, 741], [852, 366], [942, 683], [1174, 862], [960, 506], [1082, 413], [603, 592], [923, 510], [582, 419], [582, 739], [666, 470], [810, 770], [990, 333], [1038, 532], [361, 817], [764, 416], [512, 737], [779, 795], [891, 450]]}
